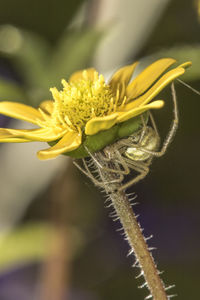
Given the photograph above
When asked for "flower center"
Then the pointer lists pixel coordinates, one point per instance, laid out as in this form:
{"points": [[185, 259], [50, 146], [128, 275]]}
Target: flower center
{"points": [[81, 100]]}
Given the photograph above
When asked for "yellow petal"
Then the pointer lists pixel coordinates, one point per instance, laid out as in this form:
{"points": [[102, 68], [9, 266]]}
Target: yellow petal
{"points": [[70, 141], [123, 75], [156, 88], [146, 78], [41, 134], [12, 140], [47, 106], [15, 140], [20, 111], [81, 74], [124, 116], [100, 123], [185, 65]]}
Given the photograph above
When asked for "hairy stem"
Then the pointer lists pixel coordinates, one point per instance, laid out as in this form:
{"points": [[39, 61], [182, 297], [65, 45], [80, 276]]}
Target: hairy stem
{"points": [[138, 245], [108, 173]]}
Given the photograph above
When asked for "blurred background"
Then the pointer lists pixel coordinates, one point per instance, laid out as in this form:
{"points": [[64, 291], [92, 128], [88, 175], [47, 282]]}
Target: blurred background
{"points": [[57, 240]]}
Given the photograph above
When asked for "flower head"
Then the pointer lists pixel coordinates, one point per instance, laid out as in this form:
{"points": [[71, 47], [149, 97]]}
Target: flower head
{"points": [[90, 112]]}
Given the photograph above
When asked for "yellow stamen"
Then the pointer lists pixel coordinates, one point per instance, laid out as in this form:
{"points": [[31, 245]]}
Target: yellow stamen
{"points": [[123, 103], [81, 100]]}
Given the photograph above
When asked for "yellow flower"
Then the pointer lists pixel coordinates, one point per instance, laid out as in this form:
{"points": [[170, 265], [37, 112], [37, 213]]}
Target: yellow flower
{"points": [[88, 105]]}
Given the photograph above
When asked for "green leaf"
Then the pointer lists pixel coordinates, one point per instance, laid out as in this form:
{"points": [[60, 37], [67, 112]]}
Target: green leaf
{"points": [[24, 244], [10, 91], [73, 52], [41, 67], [29, 53], [46, 17]]}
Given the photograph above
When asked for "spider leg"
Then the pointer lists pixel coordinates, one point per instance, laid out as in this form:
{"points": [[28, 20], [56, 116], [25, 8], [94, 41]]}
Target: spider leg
{"points": [[99, 155], [153, 123], [143, 170], [87, 173], [144, 128], [120, 160], [171, 132], [117, 164], [142, 165]]}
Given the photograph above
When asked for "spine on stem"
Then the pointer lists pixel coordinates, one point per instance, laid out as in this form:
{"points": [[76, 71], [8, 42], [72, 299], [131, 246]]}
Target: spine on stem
{"points": [[138, 245]]}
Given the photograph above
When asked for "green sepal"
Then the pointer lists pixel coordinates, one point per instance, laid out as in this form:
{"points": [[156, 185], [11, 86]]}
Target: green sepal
{"points": [[95, 142], [104, 138], [132, 125]]}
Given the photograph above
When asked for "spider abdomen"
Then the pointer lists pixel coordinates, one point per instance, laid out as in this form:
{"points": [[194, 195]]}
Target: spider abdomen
{"points": [[149, 140]]}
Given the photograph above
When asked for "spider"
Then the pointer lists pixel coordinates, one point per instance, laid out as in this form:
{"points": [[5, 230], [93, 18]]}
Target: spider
{"points": [[136, 152]]}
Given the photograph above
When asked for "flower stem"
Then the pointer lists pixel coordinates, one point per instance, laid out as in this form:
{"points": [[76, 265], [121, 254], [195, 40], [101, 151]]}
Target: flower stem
{"points": [[109, 178], [138, 245]]}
